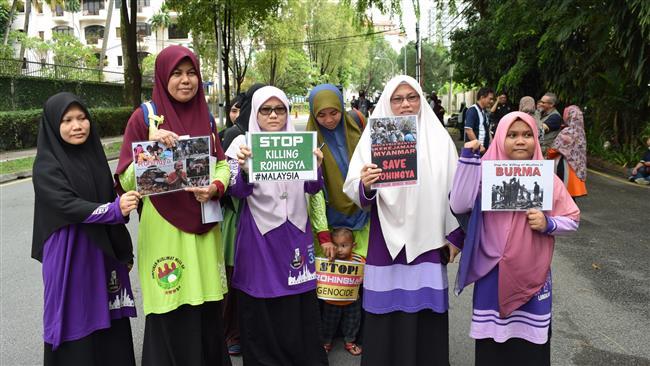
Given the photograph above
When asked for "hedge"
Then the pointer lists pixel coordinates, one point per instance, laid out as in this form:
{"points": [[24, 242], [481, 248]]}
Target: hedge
{"points": [[18, 130], [22, 93]]}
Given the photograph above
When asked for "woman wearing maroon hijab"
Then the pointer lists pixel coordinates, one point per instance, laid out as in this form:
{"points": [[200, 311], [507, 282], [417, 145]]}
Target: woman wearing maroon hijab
{"points": [[180, 259]]}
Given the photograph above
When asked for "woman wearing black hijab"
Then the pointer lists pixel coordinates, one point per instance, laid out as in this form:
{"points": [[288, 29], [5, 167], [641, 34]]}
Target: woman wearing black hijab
{"points": [[240, 126], [80, 237]]}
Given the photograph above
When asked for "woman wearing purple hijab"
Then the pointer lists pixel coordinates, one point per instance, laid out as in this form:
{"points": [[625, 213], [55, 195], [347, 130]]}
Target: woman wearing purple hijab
{"points": [[274, 257], [180, 259]]}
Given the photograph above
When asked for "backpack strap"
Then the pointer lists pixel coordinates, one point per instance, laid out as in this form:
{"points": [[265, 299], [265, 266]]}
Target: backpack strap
{"points": [[358, 118], [151, 119]]}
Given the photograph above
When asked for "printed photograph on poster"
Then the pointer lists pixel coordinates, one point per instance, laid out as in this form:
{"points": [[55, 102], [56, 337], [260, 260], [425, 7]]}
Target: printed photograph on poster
{"points": [[282, 156], [517, 185], [394, 150], [338, 280], [159, 169]]}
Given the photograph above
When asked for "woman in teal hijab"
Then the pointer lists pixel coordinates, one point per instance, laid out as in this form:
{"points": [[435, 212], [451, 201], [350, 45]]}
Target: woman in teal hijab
{"points": [[340, 133]]}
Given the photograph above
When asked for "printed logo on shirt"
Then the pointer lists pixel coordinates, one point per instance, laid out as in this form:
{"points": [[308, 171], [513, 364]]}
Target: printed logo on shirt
{"points": [[114, 283], [310, 253], [298, 260], [167, 272], [545, 292], [101, 209]]}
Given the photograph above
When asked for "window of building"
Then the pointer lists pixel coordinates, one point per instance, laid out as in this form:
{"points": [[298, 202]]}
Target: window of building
{"points": [[92, 7], [58, 10], [176, 32], [142, 4], [143, 29], [118, 32], [93, 33], [62, 29], [119, 60], [41, 35]]}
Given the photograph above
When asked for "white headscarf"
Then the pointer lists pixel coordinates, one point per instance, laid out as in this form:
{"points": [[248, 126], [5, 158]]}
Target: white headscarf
{"points": [[415, 217], [268, 207]]}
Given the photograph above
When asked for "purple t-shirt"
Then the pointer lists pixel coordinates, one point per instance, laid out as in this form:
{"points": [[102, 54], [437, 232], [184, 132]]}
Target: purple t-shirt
{"points": [[279, 263], [83, 288]]}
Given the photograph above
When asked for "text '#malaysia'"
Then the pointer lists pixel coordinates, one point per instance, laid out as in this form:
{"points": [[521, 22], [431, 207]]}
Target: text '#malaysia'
{"points": [[394, 150], [282, 156]]}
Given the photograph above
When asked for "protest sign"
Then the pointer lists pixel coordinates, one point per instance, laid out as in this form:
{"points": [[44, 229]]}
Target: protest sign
{"points": [[338, 280], [517, 185], [161, 169], [394, 150], [282, 156]]}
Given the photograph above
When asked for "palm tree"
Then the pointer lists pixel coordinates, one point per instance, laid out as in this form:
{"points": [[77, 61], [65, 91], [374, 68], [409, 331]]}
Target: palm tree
{"points": [[160, 21]]}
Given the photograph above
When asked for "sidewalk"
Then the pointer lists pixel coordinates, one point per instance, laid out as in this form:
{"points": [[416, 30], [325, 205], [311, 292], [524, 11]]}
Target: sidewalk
{"points": [[19, 154], [300, 122], [27, 153]]}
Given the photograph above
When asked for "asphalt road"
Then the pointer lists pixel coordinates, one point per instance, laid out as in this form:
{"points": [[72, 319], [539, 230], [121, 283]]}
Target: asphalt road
{"points": [[601, 284]]}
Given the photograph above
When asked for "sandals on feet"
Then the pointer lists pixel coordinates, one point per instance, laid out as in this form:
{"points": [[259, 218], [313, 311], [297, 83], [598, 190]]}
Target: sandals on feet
{"points": [[353, 348]]}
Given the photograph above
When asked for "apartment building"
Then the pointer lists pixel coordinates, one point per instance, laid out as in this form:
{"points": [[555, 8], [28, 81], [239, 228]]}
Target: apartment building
{"points": [[89, 23]]}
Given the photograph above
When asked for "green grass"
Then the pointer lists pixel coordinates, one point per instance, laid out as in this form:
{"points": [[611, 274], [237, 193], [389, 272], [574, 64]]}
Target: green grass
{"points": [[22, 164], [18, 165]]}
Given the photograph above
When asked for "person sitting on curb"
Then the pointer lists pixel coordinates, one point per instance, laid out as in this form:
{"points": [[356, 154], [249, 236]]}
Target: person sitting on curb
{"points": [[641, 171]]}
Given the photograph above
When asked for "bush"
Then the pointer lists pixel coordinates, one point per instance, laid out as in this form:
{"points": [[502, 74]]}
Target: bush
{"points": [[18, 130]]}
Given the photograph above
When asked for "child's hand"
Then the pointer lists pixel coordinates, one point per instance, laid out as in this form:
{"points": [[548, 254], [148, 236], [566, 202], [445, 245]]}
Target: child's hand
{"points": [[453, 252], [369, 175], [243, 155], [319, 156], [129, 202], [329, 250], [536, 219]]}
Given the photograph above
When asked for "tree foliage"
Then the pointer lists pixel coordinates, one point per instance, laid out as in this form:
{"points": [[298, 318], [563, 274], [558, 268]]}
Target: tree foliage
{"points": [[591, 53]]}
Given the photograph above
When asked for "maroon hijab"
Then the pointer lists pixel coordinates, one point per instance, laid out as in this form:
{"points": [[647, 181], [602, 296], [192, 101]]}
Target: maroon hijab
{"points": [[192, 118]]}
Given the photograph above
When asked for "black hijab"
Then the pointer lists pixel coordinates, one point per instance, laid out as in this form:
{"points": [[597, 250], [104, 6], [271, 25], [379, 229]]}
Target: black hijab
{"points": [[70, 182], [241, 124]]}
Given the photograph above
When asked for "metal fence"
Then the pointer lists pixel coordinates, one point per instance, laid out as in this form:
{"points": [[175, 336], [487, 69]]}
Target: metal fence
{"points": [[10, 67]]}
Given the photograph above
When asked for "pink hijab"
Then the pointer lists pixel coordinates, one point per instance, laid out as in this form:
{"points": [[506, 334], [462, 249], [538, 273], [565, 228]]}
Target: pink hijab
{"points": [[523, 255], [571, 142], [267, 206]]}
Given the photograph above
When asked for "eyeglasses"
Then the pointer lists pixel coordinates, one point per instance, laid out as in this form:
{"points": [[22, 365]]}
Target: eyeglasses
{"points": [[279, 110], [544, 102], [409, 98]]}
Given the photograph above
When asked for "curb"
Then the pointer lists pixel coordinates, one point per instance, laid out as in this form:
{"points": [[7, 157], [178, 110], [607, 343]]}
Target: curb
{"points": [[4, 178]]}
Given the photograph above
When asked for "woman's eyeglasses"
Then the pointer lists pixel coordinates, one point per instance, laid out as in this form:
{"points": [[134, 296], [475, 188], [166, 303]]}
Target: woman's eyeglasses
{"points": [[279, 110], [409, 98]]}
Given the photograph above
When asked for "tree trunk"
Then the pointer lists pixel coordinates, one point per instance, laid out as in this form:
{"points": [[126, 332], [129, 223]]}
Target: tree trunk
{"points": [[226, 37], [28, 10], [107, 28], [274, 63], [10, 21], [132, 75]]}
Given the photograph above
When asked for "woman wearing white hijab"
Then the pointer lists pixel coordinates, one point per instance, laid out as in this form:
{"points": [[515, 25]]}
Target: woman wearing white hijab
{"points": [[405, 284], [274, 253]]}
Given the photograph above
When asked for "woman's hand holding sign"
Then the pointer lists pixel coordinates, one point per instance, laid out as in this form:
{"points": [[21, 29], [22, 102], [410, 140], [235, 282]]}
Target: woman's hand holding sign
{"points": [[319, 156], [242, 157], [369, 175]]}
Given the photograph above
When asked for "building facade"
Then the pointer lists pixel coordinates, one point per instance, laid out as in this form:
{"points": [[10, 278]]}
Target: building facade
{"points": [[89, 26]]}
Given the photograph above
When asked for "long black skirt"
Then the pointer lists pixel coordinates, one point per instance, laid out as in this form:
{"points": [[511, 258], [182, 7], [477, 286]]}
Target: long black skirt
{"points": [[282, 331], [513, 352], [401, 338], [111, 346], [189, 335]]}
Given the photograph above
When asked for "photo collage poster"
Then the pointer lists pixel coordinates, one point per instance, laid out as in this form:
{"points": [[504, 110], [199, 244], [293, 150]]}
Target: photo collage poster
{"points": [[161, 169]]}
